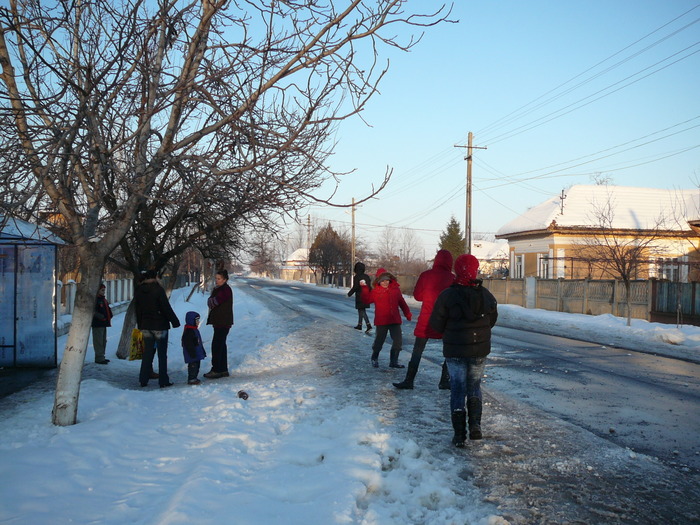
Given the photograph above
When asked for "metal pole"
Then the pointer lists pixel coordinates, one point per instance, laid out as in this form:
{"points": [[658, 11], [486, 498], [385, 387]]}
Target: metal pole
{"points": [[352, 256], [468, 218]]}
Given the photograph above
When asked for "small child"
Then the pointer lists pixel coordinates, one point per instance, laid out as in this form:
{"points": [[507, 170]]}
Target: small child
{"points": [[192, 347], [388, 303]]}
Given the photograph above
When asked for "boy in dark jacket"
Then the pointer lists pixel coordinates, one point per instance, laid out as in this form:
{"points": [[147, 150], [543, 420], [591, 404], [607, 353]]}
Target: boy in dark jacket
{"points": [[464, 314], [356, 289], [192, 347]]}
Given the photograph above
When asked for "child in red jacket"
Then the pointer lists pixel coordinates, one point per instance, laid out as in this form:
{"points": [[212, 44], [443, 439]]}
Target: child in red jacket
{"points": [[387, 298]]}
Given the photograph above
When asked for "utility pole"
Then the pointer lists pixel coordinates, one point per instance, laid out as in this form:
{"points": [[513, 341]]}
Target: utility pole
{"points": [[468, 214], [352, 251]]}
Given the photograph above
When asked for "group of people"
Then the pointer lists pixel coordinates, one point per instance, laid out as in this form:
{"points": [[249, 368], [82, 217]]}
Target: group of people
{"points": [[456, 308], [155, 317]]}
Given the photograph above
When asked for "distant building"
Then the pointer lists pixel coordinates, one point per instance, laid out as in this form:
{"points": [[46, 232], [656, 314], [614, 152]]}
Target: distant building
{"points": [[296, 267], [493, 258], [549, 239]]}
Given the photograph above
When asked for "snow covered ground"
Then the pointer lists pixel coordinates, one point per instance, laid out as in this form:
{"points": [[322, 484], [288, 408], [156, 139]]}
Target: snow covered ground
{"points": [[322, 439]]}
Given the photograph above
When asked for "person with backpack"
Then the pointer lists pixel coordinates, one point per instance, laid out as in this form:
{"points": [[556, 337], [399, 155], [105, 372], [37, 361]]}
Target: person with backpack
{"points": [[464, 314]]}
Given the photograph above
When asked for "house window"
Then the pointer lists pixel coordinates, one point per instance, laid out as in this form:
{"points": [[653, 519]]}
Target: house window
{"points": [[517, 267], [543, 266], [672, 269]]}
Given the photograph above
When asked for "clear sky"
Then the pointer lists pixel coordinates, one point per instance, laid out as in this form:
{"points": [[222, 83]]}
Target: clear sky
{"points": [[558, 92]]}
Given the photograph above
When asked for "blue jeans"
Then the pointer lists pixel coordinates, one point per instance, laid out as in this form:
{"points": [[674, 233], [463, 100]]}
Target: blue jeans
{"points": [[154, 340], [465, 379]]}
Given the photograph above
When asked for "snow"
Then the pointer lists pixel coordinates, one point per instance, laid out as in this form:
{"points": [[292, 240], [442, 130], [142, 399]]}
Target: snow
{"points": [[634, 208], [319, 441]]}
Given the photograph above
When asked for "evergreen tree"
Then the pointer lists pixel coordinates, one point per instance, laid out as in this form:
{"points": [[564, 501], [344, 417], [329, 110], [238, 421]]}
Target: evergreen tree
{"points": [[330, 252], [452, 239]]}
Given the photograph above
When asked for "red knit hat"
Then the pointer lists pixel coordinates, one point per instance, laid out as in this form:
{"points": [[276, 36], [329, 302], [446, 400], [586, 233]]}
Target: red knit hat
{"points": [[466, 268]]}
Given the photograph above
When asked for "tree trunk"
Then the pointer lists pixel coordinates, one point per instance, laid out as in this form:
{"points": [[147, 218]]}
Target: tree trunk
{"points": [[127, 327], [65, 409], [628, 300]]}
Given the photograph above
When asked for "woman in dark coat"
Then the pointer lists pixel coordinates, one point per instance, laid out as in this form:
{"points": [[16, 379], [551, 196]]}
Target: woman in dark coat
{"points": [[221, 318], [356, 289], [154, 315], [464, 314]]}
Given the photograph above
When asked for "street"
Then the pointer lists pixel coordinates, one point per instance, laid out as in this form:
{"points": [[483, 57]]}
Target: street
{"points": [[572, 432]]}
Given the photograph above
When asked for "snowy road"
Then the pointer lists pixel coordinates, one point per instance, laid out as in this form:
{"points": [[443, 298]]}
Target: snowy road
{"points": [[543, 454]]}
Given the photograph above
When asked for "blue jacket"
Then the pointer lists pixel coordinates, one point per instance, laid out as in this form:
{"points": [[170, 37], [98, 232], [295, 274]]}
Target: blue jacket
{"points": [[192, 347]]}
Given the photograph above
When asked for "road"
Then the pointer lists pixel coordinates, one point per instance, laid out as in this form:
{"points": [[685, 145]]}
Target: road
{"points": [[633, 399]]}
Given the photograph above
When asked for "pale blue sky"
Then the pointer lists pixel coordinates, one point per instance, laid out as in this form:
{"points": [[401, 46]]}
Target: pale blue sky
{"points": [[604, 68]]}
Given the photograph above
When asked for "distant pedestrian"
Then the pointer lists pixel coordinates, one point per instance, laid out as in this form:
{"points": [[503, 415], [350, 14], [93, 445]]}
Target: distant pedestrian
{"points": [[428, 287], [464, 314], [192, 347], [356, 289], [154, 315], [220, 304], [101, 320], [387, 298]]}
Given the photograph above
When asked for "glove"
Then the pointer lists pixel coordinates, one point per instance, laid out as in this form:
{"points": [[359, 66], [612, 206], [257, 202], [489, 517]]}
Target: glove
{"points": [[363, 283]]}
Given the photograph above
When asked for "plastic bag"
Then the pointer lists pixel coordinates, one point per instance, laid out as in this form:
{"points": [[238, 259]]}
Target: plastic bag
{"points": [[136, 349]]}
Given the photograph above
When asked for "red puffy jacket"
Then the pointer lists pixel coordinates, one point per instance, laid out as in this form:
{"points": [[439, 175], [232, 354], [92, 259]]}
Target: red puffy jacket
{"points": [[387, 301], [430, 284]]}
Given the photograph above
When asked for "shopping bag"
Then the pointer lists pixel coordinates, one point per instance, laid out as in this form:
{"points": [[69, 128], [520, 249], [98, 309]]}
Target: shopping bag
{"points": [[136, 349]]}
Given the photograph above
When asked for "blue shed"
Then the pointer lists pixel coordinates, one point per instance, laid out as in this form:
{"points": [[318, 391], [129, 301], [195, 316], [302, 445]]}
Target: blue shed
{"points": [[28, 312]]}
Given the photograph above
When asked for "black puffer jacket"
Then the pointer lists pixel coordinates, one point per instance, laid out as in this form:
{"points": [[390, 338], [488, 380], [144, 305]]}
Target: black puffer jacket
{"points": [[356, 289], [464, 316], [153, 311]]}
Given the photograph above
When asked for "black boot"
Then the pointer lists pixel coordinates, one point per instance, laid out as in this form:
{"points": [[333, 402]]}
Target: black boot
{"points": [[459, 424], [407, 384], [375, 358], [444, 378], [394, 359], [474, 409]]}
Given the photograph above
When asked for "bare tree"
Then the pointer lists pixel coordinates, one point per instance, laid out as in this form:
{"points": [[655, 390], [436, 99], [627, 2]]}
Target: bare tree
{"points": [[103, 101], [619, 253], [388, 249]]}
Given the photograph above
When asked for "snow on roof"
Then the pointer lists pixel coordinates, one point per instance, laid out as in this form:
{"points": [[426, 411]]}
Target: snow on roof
{"points": [[300, 254], [488, 250], [18, 230], [634, 208]]}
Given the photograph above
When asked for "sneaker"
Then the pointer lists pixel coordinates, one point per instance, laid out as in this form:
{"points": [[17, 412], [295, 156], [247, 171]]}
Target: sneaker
{"points": [[369, 329], [167, 385], [215, 375], [102, 361], [358, 327], [194, 382], [375, 363]]}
